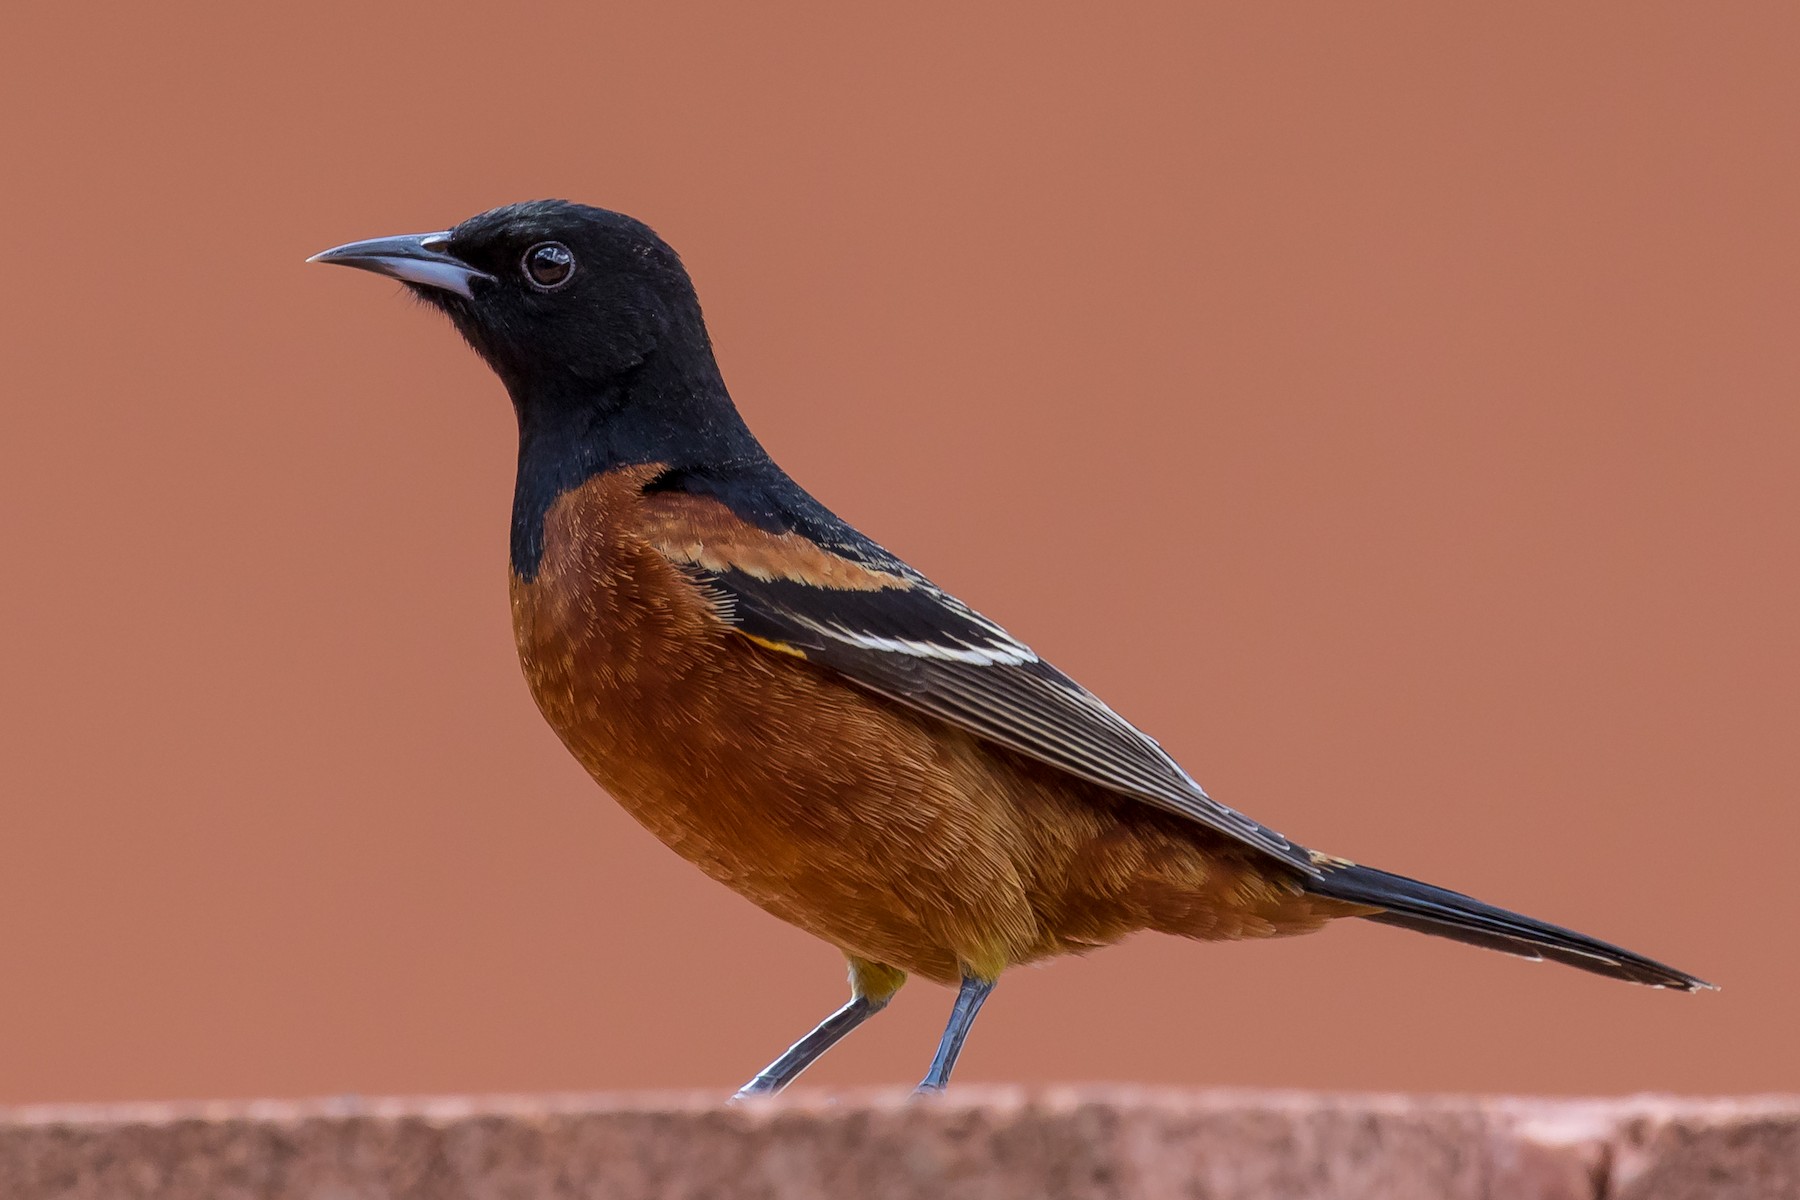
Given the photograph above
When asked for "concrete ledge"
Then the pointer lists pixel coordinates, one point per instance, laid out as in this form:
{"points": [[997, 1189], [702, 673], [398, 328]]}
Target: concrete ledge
{"points": [[991, 1144]]}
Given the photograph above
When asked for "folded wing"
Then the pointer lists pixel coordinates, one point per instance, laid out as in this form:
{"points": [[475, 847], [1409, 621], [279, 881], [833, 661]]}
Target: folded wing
{"points": [[847, 604]]}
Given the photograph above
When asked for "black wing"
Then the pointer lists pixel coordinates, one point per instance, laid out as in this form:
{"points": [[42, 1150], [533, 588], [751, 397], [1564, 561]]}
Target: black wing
{"points": [[882, 625], [926, 649]]}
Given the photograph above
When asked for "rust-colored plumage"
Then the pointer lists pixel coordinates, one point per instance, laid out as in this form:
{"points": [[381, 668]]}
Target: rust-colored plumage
{"points": [[807, 718], [893, 837]]}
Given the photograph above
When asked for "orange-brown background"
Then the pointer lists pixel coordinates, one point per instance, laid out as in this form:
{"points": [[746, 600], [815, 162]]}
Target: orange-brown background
{"points": [[1391, 407]]}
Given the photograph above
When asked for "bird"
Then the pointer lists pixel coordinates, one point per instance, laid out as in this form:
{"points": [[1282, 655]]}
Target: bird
{"points": [[806, 717]]}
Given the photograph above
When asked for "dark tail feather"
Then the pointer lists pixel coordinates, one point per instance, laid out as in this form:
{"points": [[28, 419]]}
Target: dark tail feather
{"points": [[1434, 910]]}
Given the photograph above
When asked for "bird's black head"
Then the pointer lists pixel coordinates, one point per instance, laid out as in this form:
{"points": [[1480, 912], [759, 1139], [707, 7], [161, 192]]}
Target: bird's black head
{"points": [[591, 322], [555, 296]]}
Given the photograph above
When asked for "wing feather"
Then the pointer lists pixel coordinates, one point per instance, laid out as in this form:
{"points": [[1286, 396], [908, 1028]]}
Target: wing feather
{"points": [[856, 609]]}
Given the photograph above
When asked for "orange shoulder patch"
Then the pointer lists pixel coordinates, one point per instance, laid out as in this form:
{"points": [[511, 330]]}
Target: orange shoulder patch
{"points": [[703, 532]]}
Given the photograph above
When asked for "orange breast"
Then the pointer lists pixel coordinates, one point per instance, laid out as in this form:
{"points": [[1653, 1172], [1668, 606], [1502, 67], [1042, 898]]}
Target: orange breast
{"points": [[894, 837]]}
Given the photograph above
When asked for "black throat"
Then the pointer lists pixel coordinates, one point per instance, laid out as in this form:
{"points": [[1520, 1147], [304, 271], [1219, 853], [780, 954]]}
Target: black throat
{"points": [[670, 408]]}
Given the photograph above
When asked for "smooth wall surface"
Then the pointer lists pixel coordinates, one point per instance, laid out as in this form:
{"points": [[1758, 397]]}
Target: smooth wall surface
{"points": [[1392, 407]]}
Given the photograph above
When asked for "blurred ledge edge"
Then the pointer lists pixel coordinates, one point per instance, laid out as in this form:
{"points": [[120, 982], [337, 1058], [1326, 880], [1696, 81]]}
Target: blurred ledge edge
{"points": [[977, 1142]]}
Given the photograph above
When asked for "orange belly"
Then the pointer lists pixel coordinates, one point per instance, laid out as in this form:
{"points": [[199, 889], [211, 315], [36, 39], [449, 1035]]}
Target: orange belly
{"points": [[896, 838]]}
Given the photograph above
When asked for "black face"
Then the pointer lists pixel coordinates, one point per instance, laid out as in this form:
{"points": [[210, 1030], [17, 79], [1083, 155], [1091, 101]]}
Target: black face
{"points": [[590, 321], [556, 296], [573, 294]]}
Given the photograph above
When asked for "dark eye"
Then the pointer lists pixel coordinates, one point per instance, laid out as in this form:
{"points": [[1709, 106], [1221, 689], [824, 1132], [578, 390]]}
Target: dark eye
{"points": [[548, 265]]}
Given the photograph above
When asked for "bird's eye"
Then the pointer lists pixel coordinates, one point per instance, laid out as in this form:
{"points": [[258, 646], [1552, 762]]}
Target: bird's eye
{"points": [[548, 265]]}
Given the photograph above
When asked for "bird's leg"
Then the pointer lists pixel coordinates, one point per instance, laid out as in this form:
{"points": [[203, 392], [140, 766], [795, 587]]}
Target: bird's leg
{"points": [[872, 985], [968, 1002], [803, 1053]]}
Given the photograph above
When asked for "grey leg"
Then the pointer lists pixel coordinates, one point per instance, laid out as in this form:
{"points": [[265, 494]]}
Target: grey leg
{"points": [[968, 1002], [803, 1053]]}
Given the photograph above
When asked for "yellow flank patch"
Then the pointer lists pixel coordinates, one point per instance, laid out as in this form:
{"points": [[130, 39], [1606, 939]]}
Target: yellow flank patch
{"points": [[985, 962], [874, 981], [765, 643]]}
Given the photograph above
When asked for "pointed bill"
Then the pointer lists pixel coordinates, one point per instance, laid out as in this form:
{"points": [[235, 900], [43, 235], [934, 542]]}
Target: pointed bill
{"points": [[416, 258]]}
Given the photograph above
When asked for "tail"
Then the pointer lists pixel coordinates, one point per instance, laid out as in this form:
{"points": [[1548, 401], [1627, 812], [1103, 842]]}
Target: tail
{"points": [[1419, 906]]}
